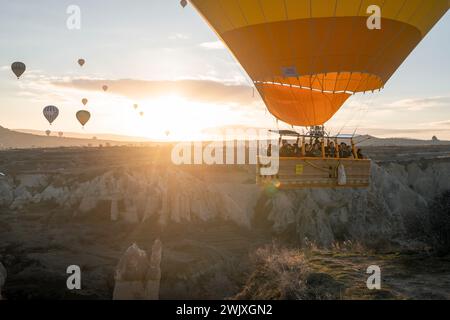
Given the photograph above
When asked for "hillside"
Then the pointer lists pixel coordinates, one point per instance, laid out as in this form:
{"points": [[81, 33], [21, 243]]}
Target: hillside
{"points": [[88, 136], [89, 205], [20, 140], [367, 140]]}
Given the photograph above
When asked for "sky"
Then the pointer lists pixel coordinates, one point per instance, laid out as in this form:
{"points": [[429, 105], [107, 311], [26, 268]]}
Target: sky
{"points": [[167, 60]]}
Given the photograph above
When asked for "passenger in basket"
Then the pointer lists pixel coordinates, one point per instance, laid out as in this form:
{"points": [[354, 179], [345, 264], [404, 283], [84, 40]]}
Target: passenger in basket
{"points": [[284, 149], [307, 150], [330, 150], [316, 152]]}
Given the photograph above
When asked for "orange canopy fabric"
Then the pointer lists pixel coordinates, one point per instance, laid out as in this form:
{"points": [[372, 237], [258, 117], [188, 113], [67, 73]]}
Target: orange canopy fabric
{"points": [[300, 107], [323, 45]]}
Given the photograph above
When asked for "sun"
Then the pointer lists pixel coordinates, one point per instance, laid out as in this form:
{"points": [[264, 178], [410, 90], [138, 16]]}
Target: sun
{"points": [[172, 117]]}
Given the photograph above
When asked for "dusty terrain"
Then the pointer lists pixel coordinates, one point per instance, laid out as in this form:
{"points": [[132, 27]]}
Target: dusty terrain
{"points": [[86, 206]]}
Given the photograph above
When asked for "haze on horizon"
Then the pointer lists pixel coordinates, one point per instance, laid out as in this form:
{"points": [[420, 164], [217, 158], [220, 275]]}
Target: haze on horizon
{"points": [[167, 60]]}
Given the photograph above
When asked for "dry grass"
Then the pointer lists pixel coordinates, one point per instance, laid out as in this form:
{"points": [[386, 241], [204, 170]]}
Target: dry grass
{"points": [[284, 273]]}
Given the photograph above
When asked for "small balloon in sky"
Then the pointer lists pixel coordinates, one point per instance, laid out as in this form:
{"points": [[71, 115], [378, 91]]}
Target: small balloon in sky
{"points": [[18, 68], [84, 101], [135, 106], [48, 132], [141, 113], [50, 113], [81, 62], [105, 87], [167, 132], [60, 134], [183, 3], [83, 116]]}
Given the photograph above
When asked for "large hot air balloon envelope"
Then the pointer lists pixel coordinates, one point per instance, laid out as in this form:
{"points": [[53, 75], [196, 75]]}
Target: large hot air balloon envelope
{"points": [[50, 113], [18, 68], [307, 57], [83, 116]]}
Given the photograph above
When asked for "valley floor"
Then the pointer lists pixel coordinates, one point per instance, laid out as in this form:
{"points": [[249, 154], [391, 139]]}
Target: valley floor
{"points": [[202, 261]]}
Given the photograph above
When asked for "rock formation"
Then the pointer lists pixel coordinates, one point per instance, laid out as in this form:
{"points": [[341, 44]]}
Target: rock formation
{"points": [[398, 196], [138, 277], [2, 278]]}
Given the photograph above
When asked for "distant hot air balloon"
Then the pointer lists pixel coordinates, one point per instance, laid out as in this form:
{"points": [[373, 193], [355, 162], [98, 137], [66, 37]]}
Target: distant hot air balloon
{"points": [[81, 62], [83, 116], [135, 106], [183, 3], [306, 58], [48, 132], [141, 113], [105, 87], [50, 113], [84, 101], [60, 134], [18, 68], [167, 133]]}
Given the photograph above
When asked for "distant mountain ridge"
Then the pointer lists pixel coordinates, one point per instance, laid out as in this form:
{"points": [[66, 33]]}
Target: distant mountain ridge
{"points": [[102, 136], [21, 140], [368, 140]]}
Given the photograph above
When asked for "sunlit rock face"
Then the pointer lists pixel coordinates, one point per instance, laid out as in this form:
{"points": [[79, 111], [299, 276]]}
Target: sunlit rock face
{"points": [[169, 194], [397, 198]]}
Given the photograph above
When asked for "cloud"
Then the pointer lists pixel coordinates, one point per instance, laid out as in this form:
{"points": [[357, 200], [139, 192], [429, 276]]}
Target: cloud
{"points": [[178, 36], [208, 91], [213, 45], [421, 103], [445, 123]]}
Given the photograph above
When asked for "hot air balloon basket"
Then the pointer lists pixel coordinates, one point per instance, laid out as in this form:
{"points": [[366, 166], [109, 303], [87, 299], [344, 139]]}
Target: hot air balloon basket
{"points": [[304, 172]]}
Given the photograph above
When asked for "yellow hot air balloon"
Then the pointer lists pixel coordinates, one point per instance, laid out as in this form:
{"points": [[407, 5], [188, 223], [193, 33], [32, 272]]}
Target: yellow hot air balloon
{"points": [[307, 57], [83, 116]]}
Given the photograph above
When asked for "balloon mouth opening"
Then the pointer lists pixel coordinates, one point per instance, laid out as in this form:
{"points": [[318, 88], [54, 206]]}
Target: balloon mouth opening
{"points": [[331, 82]]}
